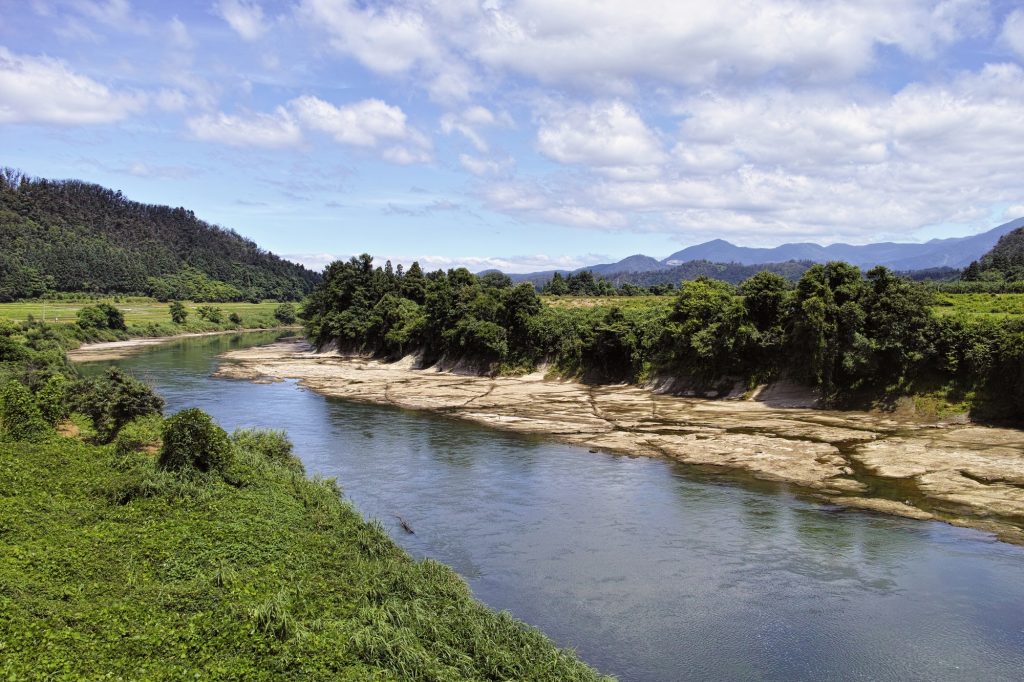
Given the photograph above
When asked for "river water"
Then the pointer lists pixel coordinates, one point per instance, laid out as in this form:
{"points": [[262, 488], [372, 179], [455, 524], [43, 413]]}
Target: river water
{"points": [[651, 570]]}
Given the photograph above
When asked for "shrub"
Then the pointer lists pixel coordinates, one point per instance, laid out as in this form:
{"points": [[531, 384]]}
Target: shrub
{"points": [[210, 313], [178, 313], [273, 445], [100, 316], [285, 313], [116, 399], [139, 433], [52, 398], [193, 441], [20, 417], [235, 319]]}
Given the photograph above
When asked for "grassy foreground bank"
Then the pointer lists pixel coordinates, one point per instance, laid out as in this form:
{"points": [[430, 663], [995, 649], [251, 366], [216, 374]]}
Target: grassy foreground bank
{"points": [[114, 568]]}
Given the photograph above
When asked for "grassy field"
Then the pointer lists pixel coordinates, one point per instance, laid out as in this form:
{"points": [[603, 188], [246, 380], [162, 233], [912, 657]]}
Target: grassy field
{"points": [[999, 306], [137, 311], [623, 302], [115, 569]]}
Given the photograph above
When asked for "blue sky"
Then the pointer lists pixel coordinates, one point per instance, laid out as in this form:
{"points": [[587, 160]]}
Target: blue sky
{"points": [[528, 134]]}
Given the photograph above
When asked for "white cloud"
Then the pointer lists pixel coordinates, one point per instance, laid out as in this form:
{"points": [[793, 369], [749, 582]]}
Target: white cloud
{"points": [[1013, 32], [388, 40], [368, 123], [245, 17], [362, 124], [270, 131], [692, 41], [484, 167], [467, 123], [605, 135], [45, 90]]}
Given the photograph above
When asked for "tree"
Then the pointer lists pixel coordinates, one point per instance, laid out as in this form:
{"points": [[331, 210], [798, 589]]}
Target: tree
{"points": [[210, 313], [285, 313], [114, 400], [191, 440], [101, 316], [20, 417], [178, 312], [557, 285]]}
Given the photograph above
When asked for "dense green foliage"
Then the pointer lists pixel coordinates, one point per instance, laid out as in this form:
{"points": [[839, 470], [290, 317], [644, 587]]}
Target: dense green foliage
{"points": [[114, 400], [852, 336], [116, 568], [192, 441], [74, 236], [1002, 268]]}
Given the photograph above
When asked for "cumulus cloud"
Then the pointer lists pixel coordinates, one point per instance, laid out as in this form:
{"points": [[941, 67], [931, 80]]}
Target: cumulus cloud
{"points": [[368, 123], [396, 39], [245, 17], [269, 131], [482, 167], [468, 123], [607, 135], [45, 90], [782, 162]]}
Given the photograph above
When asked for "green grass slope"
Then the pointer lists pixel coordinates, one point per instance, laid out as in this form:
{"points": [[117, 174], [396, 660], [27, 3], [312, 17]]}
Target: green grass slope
{"points": [[114, 569]]}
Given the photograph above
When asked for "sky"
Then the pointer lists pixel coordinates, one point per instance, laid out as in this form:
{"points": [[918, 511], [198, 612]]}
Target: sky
{"points": [[528, 134]]}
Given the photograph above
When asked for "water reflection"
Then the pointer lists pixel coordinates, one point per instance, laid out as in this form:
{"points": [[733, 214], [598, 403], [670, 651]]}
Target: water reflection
{"points": [[651, 570]]}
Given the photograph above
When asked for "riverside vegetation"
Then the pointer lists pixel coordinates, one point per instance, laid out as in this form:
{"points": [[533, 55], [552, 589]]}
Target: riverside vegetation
{"points": [[144, 547], [855, 338]]}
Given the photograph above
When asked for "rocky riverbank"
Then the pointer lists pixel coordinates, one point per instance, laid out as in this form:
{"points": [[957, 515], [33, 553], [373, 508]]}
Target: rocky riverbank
{"points": [[963, 474]]}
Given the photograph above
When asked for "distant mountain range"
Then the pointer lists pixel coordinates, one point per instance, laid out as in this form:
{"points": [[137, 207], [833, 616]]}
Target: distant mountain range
{"points": [[955, 252]]}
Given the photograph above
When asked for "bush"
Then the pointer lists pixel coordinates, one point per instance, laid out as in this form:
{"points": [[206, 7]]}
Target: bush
{"points": [[115, 400], [193, 441], [273, 445], [285, 313], [20, 417], [235, 319], [101, 316], [210, 313], [178, 313], [52, 399], [139, 433]]}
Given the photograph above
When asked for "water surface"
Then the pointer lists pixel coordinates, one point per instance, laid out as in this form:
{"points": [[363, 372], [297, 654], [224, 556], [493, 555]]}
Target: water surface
{"points": [[651, 570]]}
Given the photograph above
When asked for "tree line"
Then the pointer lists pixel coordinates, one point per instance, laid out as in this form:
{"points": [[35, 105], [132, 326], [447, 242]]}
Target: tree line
{"points": [[848, 334]]}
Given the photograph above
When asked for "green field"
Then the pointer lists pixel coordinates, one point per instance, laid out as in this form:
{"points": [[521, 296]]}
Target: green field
{"points": [[137, 311], [998, 306]]}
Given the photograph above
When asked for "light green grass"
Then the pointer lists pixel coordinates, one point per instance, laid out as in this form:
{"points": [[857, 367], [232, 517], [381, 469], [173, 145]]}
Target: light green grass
{"points": [[988, 306], [624, 302], [137, 311], [114, 569]]}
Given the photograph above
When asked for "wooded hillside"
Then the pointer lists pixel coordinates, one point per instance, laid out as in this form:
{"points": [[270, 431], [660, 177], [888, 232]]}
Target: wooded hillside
{"points": [[68, 235]]}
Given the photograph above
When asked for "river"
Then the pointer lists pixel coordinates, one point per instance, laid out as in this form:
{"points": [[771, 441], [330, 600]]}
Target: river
{"points": [[651, 570]]}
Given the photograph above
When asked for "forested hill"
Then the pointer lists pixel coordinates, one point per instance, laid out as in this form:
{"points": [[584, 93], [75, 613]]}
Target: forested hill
{"points": [[68, 235], [1005, 262]]}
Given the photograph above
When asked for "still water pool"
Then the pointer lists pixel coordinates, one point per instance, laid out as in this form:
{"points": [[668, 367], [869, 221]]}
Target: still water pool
{"points": [[649, 569]]}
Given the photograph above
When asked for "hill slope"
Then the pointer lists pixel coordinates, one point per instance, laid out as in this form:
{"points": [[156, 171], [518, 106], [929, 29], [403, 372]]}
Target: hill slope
{"points": [[1005, 260], [69, 235]]}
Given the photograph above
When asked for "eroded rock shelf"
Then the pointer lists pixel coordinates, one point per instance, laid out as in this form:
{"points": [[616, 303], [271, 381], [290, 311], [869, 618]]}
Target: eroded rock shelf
{"points": [[962, 474]]}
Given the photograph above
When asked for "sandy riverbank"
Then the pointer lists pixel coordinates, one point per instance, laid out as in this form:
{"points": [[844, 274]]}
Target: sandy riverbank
{"points": [[115, 350], [963, 474]]}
